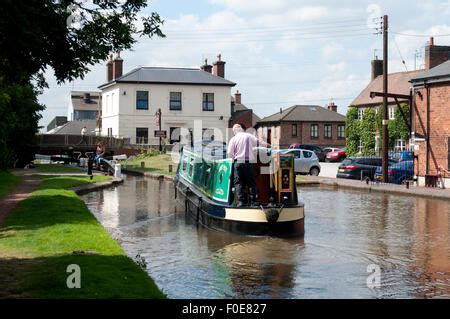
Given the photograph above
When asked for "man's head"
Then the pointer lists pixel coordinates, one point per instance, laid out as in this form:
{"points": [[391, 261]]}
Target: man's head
{"points": [[237, 128]]}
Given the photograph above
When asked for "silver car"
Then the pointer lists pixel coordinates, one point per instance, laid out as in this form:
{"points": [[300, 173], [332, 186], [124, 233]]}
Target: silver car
{"points": [[305, 162]]}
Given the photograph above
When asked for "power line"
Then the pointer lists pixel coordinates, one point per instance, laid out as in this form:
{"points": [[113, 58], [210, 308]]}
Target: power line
{"points": [[297, 101], [400, 53], [421, 35]]}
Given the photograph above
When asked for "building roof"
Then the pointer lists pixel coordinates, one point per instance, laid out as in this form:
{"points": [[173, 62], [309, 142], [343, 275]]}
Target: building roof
{"points": [[74, 127], [162, 75], [79, 103], [397, 83], [305, 113], [439, 73]]}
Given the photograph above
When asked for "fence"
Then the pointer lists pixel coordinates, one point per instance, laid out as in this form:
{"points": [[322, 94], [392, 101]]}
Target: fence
{"points": [[66, 140]]}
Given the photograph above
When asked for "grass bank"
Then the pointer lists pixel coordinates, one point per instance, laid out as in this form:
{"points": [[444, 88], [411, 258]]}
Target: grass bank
{"points": [[8, 182], [54, 229], [158, 164], [57, 168]]}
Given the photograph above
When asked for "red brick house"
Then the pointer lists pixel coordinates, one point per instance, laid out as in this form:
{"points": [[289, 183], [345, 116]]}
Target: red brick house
{"points": [[240, 114], [431, 119], [305, 124], [398, 83]]}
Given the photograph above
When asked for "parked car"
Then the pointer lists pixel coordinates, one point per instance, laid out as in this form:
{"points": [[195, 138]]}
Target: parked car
{"points": [[360, 168], [398, 172], [305, 161], [402, 156], [316, 149], [337, 156]]}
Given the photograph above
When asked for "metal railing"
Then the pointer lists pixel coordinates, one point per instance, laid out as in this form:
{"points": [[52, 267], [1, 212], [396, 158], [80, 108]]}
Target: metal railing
{"points": [[66, 140]]}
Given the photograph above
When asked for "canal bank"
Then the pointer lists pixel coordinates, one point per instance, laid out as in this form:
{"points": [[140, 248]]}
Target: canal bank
{"points": [[345, 233], [53, 230], [339, 183]]}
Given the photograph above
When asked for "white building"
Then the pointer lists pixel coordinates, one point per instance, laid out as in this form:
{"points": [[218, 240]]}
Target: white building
{"points": [[130, 101]]}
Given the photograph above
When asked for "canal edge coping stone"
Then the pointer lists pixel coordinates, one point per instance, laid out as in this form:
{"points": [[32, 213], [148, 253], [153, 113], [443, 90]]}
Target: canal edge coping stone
{"points": [[87, 188]]}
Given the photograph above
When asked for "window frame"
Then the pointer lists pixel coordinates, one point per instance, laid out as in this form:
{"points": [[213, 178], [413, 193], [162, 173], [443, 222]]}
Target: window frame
{"points": [[294, 132], [138, 99], [339, 135], [316, 136], [172, 108], [137, 138], [330, 126], [206, 102]]}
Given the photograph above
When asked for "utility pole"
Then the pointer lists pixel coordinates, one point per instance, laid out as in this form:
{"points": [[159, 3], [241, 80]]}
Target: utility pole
{"points": [[385, 133], [158, 114]]}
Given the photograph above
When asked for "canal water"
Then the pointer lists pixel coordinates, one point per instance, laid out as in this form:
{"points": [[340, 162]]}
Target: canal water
{"points": [[351, 238]]}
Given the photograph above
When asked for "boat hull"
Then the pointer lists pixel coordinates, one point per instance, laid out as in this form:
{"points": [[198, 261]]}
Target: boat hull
{"points": [[244, 220]]}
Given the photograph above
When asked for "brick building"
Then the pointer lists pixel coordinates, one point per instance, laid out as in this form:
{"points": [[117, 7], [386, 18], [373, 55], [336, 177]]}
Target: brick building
{"points": [[431, 119], [240, 114], [305, 124], [398, 83]]}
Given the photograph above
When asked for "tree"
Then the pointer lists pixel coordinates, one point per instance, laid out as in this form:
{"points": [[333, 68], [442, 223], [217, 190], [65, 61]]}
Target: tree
{"points": [[351, 131], [367, 132], [67, 36]]}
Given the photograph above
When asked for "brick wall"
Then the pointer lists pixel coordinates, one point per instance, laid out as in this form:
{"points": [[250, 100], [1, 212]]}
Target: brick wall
{"points": [[304, 134], [439, 120], [242, 117]]}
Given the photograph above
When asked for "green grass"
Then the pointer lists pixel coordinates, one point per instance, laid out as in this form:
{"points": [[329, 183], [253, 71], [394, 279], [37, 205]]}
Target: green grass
{"points": [[154, 164], [8, 182], [44, 235], [59, 182], [57, 168]]}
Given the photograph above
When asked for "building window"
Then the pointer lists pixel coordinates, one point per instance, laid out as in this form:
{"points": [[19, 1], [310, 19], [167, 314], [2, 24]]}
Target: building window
{"points": [[208, 101], [327, 132], [314, 131], [359, 146], [360, 113], [341, 131], [294, 129], [142, 100], [400, 145], [175, 101], [141, 135], [174, 135], [391, 112]]}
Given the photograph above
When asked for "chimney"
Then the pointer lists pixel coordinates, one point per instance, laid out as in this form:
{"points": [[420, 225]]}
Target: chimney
{"points": [[219, 67], [377, 68], [117, 66], [237, 97], [332, 107], [109, 69], [87, 97], [206, 67], [281, 110], [435, 54]]}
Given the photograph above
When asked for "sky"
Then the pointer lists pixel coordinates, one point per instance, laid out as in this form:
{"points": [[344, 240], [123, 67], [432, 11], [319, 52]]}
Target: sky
{"points": [[279, 52]]}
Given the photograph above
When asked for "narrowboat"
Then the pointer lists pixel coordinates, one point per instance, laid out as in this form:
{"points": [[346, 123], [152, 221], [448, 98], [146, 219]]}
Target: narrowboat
{"points": [[204, 185]]}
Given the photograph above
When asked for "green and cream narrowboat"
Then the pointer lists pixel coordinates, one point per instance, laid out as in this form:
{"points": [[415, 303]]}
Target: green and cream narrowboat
{"points": [[205, 186]]}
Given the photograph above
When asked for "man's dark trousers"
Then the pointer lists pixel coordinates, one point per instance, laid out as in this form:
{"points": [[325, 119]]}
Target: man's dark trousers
{"points": [[243, 176]]}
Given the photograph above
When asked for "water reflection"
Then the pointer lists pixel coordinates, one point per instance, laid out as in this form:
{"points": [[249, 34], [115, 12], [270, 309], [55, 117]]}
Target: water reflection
{"points": [[345, 232]]}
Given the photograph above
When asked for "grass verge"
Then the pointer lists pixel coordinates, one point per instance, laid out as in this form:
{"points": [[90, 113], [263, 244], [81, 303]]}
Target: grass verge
{"points": [[54, 229], [8, 182], [155, 164], [57, 168]]}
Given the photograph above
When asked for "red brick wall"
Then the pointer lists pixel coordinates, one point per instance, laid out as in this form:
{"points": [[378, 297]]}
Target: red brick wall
{"points": [[439, 127], [242, 117], [304, 134]]}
